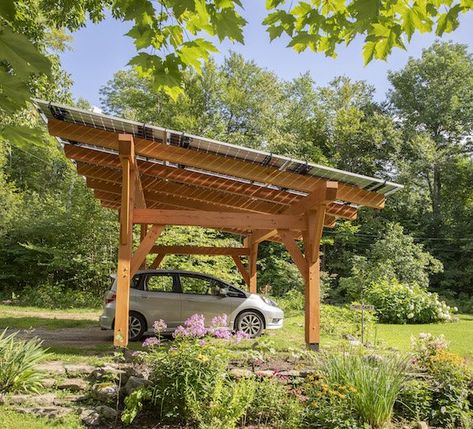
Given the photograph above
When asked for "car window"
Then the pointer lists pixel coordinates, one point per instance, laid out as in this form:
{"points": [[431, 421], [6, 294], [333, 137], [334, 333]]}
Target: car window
{"points": [[135, 282], [160, 283], [199, 285]]}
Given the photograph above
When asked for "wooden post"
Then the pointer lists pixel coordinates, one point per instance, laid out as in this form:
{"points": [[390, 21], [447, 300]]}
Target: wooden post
{"points": [[127, 157], [252, 264], [315, 223], [143, 231]]}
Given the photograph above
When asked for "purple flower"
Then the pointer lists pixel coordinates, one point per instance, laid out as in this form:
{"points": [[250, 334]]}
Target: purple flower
{"points": [[219, 321], [240, 335], [194, 327], [159, 326], [151, 342], [222, 333], [202, 343]]}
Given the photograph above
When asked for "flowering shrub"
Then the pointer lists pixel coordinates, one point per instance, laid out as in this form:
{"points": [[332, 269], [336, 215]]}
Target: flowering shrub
{"points": [[448, 379], [397, 302]]}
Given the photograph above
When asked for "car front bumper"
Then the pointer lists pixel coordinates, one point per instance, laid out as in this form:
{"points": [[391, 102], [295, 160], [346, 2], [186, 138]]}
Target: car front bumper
{"points": [[274, 319]]}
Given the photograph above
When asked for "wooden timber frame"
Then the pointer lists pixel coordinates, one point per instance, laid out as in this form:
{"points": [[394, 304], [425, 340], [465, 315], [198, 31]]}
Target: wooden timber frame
{"points": [[155, 178]]}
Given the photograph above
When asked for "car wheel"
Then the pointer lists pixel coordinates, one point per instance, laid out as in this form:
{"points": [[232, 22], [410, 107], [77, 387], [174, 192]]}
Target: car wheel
{"points": [[136, 326], [250, 323]]}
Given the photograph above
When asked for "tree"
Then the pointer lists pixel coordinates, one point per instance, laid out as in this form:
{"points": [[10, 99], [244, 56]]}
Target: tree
{"points": [[433, 99]]}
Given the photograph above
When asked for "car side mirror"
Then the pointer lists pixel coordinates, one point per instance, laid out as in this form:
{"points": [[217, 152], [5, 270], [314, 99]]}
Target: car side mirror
{"points": [[223, 292]]}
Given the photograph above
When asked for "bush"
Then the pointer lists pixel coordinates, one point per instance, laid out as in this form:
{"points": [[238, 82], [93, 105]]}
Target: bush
{"points": [[448, 379], [18, 359], [414, 401], [60, 296], [368, 386], [274, 406], [397, 302]]}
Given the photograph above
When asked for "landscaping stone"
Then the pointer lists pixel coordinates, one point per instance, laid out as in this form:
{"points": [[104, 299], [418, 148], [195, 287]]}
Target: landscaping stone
{"points": [[90, 417], [240, 373], [52, 367], [422, 425], [52, 412], [73, 384], [134, 383], [107, 413], [290, 373], [77, 370], [48, 382], [43, 400], [104, 392], [306, 372], [264, 373]]}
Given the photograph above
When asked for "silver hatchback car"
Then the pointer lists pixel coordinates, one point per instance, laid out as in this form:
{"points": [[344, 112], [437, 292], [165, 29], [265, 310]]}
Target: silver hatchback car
{"points": [[174, 296]]}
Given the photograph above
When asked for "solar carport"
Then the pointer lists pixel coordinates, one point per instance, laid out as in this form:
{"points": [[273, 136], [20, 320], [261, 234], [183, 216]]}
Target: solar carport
{"points": [[156, 177]]}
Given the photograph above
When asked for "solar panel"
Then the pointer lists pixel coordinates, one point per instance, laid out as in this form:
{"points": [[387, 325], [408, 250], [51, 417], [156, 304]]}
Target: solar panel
{"points": [[188, 141]]}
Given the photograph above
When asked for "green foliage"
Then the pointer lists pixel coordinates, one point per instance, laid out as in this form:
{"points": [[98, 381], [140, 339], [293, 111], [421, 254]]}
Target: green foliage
{"points": [[322, 26], [18, 360], [401, 303], [189, 382], [367, 384], [414, 401], [274, 406], [448, 381]]}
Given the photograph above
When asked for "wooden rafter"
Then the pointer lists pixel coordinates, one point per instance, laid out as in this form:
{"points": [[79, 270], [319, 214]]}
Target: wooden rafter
{"points": [[211, 162]]}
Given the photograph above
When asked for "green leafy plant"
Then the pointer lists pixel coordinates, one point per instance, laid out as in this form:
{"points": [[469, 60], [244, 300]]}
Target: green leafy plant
{"points": [[370, 384], [448, 382], [18, 360], [274, 405], [414, 401]]}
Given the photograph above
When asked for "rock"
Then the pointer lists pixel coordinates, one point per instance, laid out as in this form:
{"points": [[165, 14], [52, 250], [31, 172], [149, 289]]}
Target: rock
{"points": [[240, 373], [104, 392], [48, 382], [137, 371], [90, 417], [289, 373], [2, 398], [108, 372], [134, 383], [53, 367], [73, 384], [77, 370], [107, 413], [52, 412], [44, 400], [264, 373], [355, 343], [422, 425], [306, 372]]}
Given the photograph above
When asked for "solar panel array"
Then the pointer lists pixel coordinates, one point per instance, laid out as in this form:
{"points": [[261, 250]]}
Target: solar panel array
{"points": [[202, 144]]}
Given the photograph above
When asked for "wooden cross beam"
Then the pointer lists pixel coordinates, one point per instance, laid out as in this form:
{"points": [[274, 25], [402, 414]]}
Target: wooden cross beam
{"points": [[200, 250]]}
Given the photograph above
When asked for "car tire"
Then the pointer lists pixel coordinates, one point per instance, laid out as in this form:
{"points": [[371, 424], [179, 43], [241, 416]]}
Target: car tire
{"points": [[136, 326], [251, 323]]}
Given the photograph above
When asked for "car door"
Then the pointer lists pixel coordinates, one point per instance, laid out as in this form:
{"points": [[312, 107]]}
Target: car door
{"points": [[201, 295], [162, 299]]}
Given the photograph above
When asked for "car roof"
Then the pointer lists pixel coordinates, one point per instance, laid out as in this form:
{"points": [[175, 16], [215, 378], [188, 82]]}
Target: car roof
{"points": [[152, 271]]}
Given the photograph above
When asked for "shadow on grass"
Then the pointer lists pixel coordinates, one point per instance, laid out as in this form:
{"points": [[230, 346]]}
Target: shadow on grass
{"points": [[44, 323]]}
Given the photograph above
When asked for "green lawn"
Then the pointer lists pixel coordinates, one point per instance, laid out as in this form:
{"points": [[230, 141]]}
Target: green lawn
{"points": [[458, 334]]}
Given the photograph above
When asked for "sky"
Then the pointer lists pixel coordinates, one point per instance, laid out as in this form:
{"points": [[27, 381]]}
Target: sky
{"points": [[99, 50]]}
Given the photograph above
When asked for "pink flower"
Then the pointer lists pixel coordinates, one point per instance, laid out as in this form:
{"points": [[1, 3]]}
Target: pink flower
{"points": [[151, 342], [194, 327], [159, 326], [240, 335]]}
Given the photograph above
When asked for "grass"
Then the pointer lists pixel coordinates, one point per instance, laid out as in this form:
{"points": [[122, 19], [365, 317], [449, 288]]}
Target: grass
{"points": [[12, 420], [459, 335]]}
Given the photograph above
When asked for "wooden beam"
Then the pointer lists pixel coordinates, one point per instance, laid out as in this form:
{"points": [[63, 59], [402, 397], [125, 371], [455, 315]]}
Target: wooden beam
{"points": [[143, 231], [312, 279], [157, 261], [244, 273], [125, 142], [245, 221], [296, 254], [252, 260], [120, 337], [211, 162], [200, 250], [145, 247]]}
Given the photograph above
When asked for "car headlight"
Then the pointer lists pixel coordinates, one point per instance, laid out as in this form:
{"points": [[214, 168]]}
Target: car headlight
{"points": [[268, 301]]}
